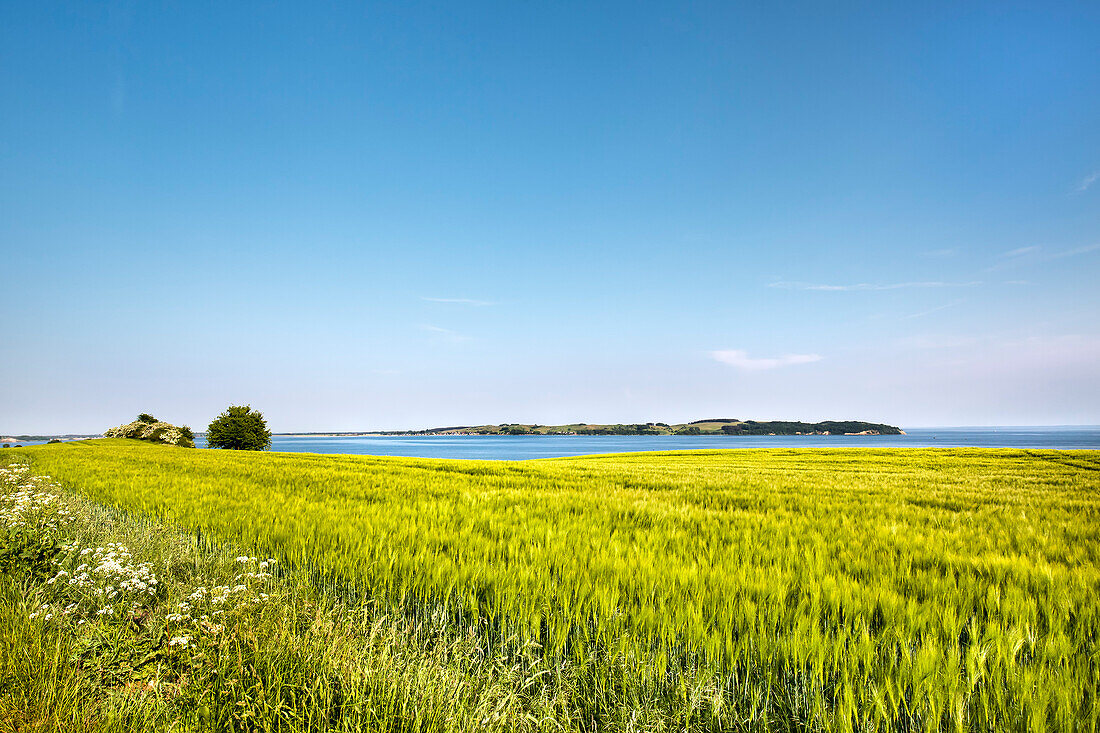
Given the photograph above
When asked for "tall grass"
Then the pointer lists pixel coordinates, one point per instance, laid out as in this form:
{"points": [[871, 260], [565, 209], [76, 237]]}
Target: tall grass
{"points": [[779, 589], [288, 659]]}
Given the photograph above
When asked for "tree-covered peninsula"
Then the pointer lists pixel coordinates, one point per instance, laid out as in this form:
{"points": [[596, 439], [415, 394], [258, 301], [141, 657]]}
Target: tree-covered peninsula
{"points": [[714, 426]]}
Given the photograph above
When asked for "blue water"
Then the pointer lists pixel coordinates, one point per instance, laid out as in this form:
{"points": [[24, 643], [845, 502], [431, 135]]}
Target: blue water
{"points": [[519, 447]]}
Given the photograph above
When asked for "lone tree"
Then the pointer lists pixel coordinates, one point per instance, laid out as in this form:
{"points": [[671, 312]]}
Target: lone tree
{"points": [[239, 428]]}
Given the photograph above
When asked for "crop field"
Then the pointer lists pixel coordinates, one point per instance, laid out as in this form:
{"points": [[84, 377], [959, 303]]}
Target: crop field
{"points": [[901, 589]]}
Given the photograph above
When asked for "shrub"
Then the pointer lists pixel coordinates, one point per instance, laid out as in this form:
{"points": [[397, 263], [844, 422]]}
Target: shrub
{"points": [[239, 428], [156, 432]]}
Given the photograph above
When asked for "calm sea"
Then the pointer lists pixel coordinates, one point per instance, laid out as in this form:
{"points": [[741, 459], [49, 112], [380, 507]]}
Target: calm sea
{"points": [[518, 447]]}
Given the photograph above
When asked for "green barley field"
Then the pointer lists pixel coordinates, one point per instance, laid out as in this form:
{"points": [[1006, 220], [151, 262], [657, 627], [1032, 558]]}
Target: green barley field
{"points": [[862, 589]]}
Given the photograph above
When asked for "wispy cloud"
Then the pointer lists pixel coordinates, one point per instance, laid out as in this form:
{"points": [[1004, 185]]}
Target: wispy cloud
{"points": [[930, 311], [1075, 251], [870, 286], [459, 301], [1014, 257], [741, 359], [1036, 254], [445, 334], [1087, 181]]}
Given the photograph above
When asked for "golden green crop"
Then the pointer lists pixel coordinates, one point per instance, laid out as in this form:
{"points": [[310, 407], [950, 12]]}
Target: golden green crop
{"points": [[829, 589]]}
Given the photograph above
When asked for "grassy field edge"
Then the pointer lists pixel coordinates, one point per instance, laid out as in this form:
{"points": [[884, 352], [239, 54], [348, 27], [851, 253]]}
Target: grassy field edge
{"points": [[299, 660]]}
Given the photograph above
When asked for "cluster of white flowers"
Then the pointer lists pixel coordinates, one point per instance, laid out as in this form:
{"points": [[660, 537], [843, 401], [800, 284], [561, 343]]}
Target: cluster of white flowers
{"points": [[130, 430], [203, 612], [31, 502], [14, 474], [105, 583], [172, 435], [88, 582], [262, 571], [159, 431]]}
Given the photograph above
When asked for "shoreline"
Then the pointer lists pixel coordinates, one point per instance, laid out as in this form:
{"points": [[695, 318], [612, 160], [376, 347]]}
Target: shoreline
{"points": [[572, 435]]}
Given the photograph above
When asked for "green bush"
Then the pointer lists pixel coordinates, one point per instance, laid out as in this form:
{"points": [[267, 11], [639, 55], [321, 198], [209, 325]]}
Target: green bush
{"points": [[239, 428]]}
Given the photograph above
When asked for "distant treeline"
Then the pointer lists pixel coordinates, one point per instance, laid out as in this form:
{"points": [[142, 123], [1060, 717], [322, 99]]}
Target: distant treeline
{"points": [[636, 429], [717, 426], [833, 427], [747, 427]]}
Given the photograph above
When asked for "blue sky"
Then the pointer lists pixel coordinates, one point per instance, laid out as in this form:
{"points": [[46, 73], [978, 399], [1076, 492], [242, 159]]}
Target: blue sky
{"points": [[403, 215]]}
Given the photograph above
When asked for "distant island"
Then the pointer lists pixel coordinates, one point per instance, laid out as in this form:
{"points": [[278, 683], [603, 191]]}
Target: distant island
{"points": [[37, 438], [714, 426]]}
